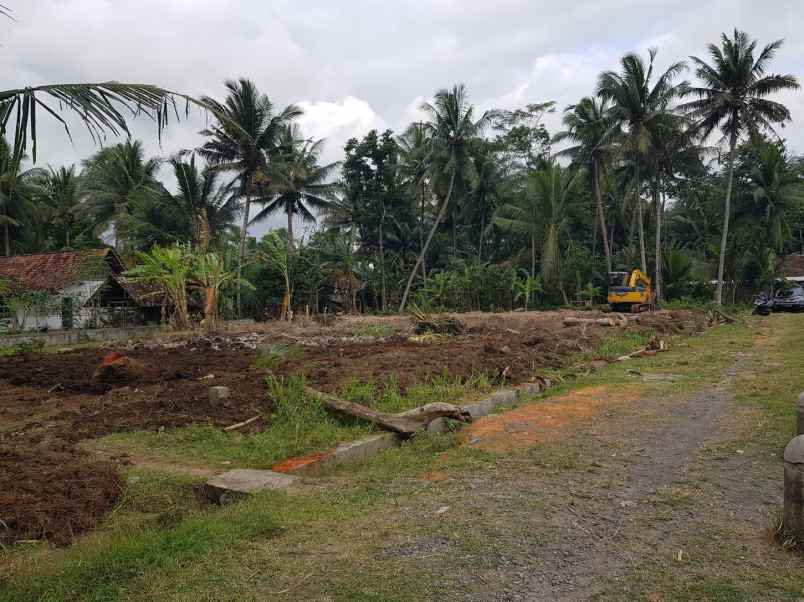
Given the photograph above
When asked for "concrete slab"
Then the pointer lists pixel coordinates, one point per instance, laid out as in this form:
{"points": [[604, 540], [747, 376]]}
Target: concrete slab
{"points": [[352, 452], [236, 484]]}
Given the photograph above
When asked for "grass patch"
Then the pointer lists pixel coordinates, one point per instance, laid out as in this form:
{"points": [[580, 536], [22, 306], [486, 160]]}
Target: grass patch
{"points": [[103, 566], [206, 552], [378, 331], [299, 425], [276, 355], [617, 344]]}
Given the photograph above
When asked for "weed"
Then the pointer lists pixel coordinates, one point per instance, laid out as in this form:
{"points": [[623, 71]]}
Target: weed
{"points": [[379, 331], [275, 356], [103, 567], [616, 344], [34, 346]]}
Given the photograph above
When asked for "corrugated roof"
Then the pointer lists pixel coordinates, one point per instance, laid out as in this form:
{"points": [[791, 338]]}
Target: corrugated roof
{"points": [[793, 265], [55, 271]]}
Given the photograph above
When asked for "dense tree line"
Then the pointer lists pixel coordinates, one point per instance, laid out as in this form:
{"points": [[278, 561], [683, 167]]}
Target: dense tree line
{"points": [[687, 179]]}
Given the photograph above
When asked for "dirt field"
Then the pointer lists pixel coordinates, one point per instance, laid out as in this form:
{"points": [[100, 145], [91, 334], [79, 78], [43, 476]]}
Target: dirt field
{"points": [[50, 402]]}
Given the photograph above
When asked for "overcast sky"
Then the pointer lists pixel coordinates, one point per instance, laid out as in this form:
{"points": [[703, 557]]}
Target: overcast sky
{"points": [[354, 65]]}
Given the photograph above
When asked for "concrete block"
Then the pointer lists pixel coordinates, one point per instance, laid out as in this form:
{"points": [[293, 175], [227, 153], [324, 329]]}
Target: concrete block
{"points": [[478, 409], [351, 452], [501, 398], [236, 484], [529, 389], [485, 407], [218, 394]]}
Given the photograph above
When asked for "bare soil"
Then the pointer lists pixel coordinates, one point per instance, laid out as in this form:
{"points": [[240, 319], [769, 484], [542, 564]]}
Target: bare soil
{"points": [[50, 402]]}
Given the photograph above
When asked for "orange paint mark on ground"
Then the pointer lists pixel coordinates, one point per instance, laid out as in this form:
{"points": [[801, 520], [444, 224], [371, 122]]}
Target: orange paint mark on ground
{"points": [[294, 463], [542, 421], [433, 476]]}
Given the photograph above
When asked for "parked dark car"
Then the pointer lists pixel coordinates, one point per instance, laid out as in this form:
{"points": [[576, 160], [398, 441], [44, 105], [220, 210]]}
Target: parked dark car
{"points": [[791, 299]]}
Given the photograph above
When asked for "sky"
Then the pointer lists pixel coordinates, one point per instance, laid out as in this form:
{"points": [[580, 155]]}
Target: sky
{"points": [[354, 65]]}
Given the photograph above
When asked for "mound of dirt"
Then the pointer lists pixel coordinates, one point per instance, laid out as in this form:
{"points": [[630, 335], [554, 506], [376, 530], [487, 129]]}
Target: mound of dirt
{"points": [[118, 369], [53, 494]]}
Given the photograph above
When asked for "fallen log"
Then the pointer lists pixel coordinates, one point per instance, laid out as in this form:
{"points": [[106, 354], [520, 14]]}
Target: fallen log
{"points": [[406, 423], [427, 413], [571, 321], [389, 422]]}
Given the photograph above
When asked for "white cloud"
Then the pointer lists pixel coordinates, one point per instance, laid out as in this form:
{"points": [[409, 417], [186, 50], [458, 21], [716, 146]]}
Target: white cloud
{"points": [[363, 64], [338, 122]]}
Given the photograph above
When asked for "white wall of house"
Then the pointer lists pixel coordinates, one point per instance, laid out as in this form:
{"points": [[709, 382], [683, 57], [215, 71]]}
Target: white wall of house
{"points": [[51, 317]]}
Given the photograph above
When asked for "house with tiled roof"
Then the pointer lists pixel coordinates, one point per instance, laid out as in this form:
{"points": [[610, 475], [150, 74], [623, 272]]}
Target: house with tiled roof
{"points": [[73, 289]]}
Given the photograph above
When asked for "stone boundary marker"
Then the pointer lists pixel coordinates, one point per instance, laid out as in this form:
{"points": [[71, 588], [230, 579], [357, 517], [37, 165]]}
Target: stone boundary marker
{"points": [[793, 514], [236, 484]]}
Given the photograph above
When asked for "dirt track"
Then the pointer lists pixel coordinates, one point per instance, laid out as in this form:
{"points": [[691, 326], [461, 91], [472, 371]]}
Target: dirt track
{"points": [[48, 402]]}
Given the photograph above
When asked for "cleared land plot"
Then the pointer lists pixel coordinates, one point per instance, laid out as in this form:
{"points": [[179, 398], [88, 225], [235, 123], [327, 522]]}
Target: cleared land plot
{"points": [[51, 406]]}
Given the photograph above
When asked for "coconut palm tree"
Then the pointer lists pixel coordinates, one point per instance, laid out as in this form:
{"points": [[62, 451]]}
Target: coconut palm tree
{"points": [[114, 179], [488, 176], [733, 96], [415, 145], [777, 189], [590, 127], [452, 131], [19, 192], [298, 182], [638, 105], [209, 207], [540, 213], [62, 195], [242, 140]]}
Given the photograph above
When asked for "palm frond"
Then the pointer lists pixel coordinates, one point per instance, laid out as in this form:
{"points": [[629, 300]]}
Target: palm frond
{"points": [[101, 106]]}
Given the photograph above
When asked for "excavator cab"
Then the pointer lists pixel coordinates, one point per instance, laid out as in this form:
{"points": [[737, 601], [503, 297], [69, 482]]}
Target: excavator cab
{"points": [[630, 291]]}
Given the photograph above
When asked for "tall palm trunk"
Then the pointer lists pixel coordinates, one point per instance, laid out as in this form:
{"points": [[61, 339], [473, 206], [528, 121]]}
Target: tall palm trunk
{"points": [[291, 248], [241, 255], [441, 213], [533, 252], [421, 232], [643, 256], [454, 235], [658, 199], [482, 232], [600, 214], [721, 266], [6, 231], [382, 262]]}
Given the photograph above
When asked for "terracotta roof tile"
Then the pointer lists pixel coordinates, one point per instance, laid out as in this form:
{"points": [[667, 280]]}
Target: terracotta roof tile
{"points": [[54, 271]]}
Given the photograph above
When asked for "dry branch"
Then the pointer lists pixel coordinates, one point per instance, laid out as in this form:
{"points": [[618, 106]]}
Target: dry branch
{"points": [[238, 425]]}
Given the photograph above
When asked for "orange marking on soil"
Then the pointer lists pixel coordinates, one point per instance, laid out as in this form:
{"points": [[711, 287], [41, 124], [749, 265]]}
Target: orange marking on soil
{"points": [[433, 476], [297, 462], [547, 420], [111, 358]]}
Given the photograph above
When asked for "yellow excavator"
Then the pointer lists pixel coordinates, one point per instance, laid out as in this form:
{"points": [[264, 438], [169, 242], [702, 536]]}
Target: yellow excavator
{"points": [[631, 291]]}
